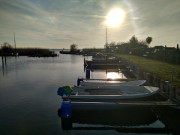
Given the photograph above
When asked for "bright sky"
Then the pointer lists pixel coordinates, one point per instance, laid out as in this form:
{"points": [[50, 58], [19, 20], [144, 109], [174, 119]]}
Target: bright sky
{"points": [[59, 23]]}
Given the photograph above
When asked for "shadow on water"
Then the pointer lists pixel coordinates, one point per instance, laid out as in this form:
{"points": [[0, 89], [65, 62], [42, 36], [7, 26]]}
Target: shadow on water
{"points": [[134, 119]]}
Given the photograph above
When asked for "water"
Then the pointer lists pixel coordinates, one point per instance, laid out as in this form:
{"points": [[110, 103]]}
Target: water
{"points": [[29, 102]]}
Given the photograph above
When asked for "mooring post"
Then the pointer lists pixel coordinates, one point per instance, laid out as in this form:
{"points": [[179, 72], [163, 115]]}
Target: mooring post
{"points": [[177, 54], [3, 63], [87, 73], [171, 89], [2, 54], [5, 58], [165, 53]]}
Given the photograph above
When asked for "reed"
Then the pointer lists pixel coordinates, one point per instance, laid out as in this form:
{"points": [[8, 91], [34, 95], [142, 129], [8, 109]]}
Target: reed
{"points": [[31, 52], [35, 52]]}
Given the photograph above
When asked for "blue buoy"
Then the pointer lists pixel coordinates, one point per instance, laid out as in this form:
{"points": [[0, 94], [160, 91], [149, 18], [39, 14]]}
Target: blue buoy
{"points": [[87, 73], [79, 80], [66, 109]]}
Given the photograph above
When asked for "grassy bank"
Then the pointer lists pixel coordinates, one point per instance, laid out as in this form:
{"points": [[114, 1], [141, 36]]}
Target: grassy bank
{"points": [[161, 69]]}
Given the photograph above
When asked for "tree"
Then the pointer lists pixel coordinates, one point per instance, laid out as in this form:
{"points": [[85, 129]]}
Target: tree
{"points": [[148, 40], [112, 46], [73, 47], [133, 40], [6, 48]]}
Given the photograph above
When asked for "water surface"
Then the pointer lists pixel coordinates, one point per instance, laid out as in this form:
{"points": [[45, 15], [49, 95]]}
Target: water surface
{"points": [[29, 101]]}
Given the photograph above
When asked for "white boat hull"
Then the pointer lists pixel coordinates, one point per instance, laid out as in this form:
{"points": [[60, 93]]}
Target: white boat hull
{"points": [[112, 93], [92, 83]]}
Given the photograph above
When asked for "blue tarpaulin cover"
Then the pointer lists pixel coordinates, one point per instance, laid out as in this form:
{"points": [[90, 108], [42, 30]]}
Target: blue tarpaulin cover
{"points": [[65, 90]]}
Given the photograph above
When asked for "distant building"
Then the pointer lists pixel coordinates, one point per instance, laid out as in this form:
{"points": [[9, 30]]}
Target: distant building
{"points": [[170, 48], [159, 47]]}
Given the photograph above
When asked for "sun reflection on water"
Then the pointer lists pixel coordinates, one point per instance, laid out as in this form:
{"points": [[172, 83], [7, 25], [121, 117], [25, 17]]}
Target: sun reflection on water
{"points": [[115, 75]]}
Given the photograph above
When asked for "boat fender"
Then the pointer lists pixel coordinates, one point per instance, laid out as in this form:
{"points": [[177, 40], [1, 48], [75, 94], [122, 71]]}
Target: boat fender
{"points": [[66, 109], [79, 80]]}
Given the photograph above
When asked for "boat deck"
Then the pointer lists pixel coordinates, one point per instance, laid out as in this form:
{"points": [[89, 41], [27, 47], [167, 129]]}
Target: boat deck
{"points": [[116, 90], [101, 92]]}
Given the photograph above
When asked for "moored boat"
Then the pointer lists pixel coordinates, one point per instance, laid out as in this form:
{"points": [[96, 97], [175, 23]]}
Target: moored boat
{"points": [[114, 93], [97, 83]]}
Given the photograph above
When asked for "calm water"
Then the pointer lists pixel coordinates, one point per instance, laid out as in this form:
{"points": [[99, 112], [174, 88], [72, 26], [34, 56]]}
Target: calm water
{"points": [[29, 103]]}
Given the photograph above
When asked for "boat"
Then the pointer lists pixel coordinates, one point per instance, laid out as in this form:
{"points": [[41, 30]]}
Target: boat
{"points": [[99, 57], [93, 83], [112, 93], [110, 117]]}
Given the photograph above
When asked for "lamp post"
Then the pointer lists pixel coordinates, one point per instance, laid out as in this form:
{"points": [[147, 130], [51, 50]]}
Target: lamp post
{"points": [[106, 44]]}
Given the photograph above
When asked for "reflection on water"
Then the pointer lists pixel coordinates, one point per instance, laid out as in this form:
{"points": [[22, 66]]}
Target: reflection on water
{"points": [[103, 74], [29, 102], [115, 75], [28, 98]]}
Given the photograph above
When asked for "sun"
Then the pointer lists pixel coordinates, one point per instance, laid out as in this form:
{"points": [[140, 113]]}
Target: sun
{"points": [[114, 17]]}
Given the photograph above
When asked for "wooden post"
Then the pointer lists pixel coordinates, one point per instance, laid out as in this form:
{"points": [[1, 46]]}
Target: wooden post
{"points": [[159, 82], [2, 62], [165, 53], [5, 57], [174, 92], [161, 85], [2, 57], [171, 89], [15, 45], [2, 53], [177, 54], [84, 61]]}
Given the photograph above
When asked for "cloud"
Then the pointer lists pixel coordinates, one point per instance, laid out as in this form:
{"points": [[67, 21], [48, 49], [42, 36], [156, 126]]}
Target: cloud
{"points": [[38, 23], [62, 22]]}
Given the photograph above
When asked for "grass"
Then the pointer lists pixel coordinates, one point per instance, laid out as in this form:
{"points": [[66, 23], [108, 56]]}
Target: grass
{"points": [[161, 69]]}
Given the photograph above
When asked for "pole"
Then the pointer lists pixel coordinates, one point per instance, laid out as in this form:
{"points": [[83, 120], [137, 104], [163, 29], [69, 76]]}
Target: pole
{"points": [[106, 45], [106, 35], [2, 54], [171, 90], [177, 54], [15, 43], [165, 53]]}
